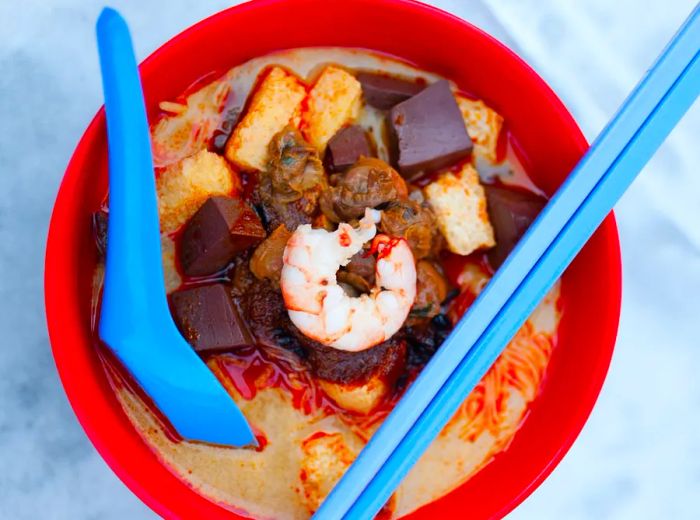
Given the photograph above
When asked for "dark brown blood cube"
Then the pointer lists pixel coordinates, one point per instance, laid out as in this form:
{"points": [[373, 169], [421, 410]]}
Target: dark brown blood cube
{"points": [[208, 319], [346, 147], [99, 231], [427, 131], [222, 227], [511, 212], [382, 91]]}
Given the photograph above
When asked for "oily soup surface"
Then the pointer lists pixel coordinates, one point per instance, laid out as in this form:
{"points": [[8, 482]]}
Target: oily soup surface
{"points": [[307, 448]]}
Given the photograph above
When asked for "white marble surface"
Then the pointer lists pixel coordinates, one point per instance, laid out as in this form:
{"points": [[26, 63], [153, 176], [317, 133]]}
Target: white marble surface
{"points": [[636, 458]]}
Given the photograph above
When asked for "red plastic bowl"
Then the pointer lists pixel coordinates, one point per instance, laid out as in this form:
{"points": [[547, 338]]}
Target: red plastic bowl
{"points": [[550, 141]]}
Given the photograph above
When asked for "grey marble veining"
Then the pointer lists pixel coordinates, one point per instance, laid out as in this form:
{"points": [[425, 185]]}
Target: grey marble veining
{"points": [[637, 456]]}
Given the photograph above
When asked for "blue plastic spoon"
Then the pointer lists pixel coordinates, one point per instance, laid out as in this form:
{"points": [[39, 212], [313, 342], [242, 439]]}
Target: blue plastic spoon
{"points": [[135, 321]]}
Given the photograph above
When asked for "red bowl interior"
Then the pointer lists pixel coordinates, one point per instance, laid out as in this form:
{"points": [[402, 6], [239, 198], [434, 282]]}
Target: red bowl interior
{"points": [[550, 142]]}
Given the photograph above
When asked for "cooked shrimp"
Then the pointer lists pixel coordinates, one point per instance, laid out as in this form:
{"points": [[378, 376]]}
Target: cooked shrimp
{"points": [[321, 308]]}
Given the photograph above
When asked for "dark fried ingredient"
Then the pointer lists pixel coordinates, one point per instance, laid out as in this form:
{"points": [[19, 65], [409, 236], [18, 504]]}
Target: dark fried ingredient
{"points": [[241, 277], [368, 184], [339, 366], [412, 221], [264, 308], [424, 339], [288, 190], [431, 291], [266, 262], [268, 321], [267, 318]]}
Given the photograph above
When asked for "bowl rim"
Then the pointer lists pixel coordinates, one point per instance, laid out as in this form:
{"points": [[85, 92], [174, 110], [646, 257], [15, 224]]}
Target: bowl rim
{"points": [[55, 261]]}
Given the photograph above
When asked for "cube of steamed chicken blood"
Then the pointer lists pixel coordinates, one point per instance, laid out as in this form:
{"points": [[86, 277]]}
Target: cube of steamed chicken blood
{"points": [[208, 319], [383, 92], [511, 212], [346, 147], [221, 228], [427, 131]]}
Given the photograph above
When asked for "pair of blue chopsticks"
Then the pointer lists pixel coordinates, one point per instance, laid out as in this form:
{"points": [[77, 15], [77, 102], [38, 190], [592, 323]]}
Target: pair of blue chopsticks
{"points": [[564, 226]]}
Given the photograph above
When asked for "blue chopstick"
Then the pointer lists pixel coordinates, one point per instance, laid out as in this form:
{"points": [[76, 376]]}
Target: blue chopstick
{"points": [[540, 280], [418, 417]]}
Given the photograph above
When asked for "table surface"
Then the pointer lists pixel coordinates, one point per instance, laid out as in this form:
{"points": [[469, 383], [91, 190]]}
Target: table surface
{"points": [[636, 458]]}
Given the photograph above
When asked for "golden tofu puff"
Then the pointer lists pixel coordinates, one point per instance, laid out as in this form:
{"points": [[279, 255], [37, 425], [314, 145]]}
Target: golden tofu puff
{"points": [[333, 102], [459, 203], [483, 125], [184, 186], [361, 399], [325, 457], [276, 102]]}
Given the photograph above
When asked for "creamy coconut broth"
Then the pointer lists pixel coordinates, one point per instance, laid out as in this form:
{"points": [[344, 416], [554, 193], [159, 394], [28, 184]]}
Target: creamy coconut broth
{"points": [[312, 401]]}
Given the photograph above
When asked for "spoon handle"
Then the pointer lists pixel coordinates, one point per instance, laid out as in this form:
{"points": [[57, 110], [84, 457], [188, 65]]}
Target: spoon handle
{"points": [[134, 292]]}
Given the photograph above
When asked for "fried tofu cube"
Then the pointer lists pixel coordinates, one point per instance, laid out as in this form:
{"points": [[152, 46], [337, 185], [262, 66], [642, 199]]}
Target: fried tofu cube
{"points": [[361, 399], [483, 125], [276, 102], [459, 203], [325, 457], [184, 186], [333, 102]]}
